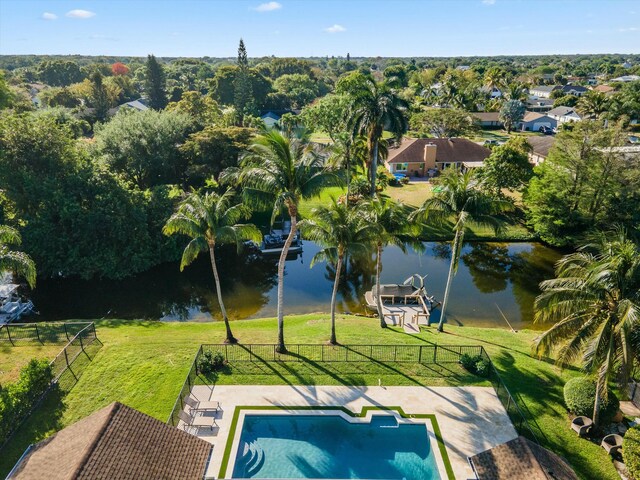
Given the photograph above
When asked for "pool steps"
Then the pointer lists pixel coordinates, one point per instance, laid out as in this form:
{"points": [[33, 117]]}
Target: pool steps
{"points": [[253, 458]]}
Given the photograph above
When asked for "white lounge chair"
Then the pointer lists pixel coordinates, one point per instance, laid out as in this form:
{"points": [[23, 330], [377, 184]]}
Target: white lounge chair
{"points": [[202, 406], [197, 421]]}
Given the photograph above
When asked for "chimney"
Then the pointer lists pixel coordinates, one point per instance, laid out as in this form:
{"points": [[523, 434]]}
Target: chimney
{"points": [[430, 156]]}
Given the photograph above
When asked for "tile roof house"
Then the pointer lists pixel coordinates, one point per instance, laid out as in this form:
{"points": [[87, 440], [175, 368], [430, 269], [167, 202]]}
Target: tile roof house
{"points": [[564, 114], [520, 459], [117, 442], [488, 119], [532, 121], [419, 156], [606, 89], [540, 147]]}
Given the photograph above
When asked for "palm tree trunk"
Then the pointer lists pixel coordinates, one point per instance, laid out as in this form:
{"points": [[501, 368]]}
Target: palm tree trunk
{"points": [[281, 348], [374, 167], [334, 294], [383, 324], [455, 254], [230, 338]]}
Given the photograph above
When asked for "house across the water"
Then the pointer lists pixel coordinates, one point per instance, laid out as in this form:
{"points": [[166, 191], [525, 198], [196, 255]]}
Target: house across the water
{"points": [[420, 157]]}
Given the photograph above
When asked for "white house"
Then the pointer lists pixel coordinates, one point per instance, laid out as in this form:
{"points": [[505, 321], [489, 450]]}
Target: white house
{"points": [[542, 91], [532, 121], [626, 78], [564, 114]]}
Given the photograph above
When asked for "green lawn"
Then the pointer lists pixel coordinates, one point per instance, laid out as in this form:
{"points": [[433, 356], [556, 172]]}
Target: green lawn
{"points": [[12, 359], [143, 364]]}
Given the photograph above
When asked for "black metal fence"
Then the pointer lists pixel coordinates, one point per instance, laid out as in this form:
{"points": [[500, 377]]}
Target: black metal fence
{"points": [[40, 333], [418, 354]]}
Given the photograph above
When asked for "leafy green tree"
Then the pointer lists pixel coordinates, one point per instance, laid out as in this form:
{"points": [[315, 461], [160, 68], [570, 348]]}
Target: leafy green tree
{"points": [[278, 172], [66, 117], [276, 67], [626, 102], [593, 104], [5, 92], [222, 86], [143, 147], [99, 97], [465, 202], [508, 167], [511, 113], [242, 88], [397, 76], [393, 226], [59, 73], [327, 114], [444, 122], [594, 304], [583, 184], [208, 220], [373, 107], [13, 261], [340, 231], [59, 97], [155, 83], [203, 110], [301, 89], [566, 101]]}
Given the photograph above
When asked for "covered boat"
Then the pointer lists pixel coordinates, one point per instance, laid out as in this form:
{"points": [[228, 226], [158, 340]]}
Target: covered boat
{"points": [[12, 306], [273, 242]]}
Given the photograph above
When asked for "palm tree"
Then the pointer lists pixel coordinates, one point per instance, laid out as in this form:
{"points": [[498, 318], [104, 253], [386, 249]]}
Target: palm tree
{"points": [[340, 230], [463, 200], [374, 107], [211, 220], [17, 262], [594, 303], [494, 77], [593, 104], [393, 227], [278, 171]]}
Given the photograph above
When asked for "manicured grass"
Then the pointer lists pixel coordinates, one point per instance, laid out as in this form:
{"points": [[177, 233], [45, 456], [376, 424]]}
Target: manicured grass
{"points": [[413, 194], [143, 364], [12, 359], [324, 199]]}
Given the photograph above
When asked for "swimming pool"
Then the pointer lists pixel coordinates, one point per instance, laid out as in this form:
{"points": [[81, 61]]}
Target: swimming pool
{"points": [[330, 446]]}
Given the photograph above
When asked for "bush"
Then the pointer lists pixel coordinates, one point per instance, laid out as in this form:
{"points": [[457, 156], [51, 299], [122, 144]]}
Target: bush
{"points": [[631, 451], [579, 397], [210, 362], [18, 398], [404, 180], [475, 364], [360, 185]]}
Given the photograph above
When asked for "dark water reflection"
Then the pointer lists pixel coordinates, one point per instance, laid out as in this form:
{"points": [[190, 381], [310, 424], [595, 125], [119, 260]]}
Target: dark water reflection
{"points": [[490, 275]]}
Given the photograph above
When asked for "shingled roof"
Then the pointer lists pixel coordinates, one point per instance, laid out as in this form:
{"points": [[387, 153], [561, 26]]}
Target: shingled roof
{"points": [[541, 145], [520, 458], [116, 442], [450, 150]]}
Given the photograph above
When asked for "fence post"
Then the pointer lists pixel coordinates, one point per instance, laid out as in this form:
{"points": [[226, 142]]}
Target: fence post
{"points": [[420, 354], [80, 338], [38, 333], [66, 333], [435, 353], [9, 334], [66, 358]]}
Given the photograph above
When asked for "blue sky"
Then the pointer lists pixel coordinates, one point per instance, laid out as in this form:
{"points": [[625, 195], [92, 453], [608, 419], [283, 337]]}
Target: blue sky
{"points": [[318, 28]]}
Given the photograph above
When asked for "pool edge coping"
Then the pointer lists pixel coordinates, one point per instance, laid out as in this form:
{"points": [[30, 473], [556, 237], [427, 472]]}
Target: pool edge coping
{"points": [[363, 413]]}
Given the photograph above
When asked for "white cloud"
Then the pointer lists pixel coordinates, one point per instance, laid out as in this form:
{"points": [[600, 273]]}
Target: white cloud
{"points": [[630, 29], [335, 29], [268, 7], [489, 2], [49, 16], [80, 14]]}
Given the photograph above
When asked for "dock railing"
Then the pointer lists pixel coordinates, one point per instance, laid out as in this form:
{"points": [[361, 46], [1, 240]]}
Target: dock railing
{"points": [[418, 354]]}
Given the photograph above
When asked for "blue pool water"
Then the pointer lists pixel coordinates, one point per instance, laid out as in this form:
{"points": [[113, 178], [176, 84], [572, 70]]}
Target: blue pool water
{"points": [[311, 446]]}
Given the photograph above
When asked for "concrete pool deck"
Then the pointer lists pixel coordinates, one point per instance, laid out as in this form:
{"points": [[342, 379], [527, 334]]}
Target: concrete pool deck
{"points": [[471, 419]]}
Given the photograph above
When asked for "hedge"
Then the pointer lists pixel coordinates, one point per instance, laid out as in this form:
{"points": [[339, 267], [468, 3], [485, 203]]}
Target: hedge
{"points": [[579, 397], [631, 451]]}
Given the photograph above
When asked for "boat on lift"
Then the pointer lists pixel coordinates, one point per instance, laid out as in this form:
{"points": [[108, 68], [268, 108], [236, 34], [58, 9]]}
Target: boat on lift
{"points": [[12, 305], [401, 300], [273, 242]]}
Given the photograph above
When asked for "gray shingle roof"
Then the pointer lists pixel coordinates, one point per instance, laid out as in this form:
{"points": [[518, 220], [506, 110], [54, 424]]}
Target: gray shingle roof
{"points": [[116, 442]]}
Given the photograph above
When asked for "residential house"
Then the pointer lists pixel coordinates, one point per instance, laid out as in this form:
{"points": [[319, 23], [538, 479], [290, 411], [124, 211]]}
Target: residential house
{"points": [[606, 89], [535, 104], [518, 459], [270, 119], [627, 64], [425, 156], [564, 114], [488, 119], [140, 105], [116, 442], [575, 90], [540, 147], [464, 68], [532, 121], [626, 78], [542, 91], [494, 92]]}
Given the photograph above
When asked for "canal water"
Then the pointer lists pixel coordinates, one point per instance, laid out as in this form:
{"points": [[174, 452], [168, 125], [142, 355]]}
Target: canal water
{"points": [[492, 277]]}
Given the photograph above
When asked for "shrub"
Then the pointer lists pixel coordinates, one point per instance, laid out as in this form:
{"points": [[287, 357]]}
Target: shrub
{"points": [[210, 362], [404, 180], [475, 364], [631, 451], [579, 397], [360, 185]]}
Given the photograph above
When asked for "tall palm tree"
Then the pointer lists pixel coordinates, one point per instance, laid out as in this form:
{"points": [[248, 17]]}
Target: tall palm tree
{"points": [[464, 201], [594, 303], [17, 262], [494, 77], [393, 227], [593, 104], [340, 230], [277, 172], [211, 220], [374, 107]]}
